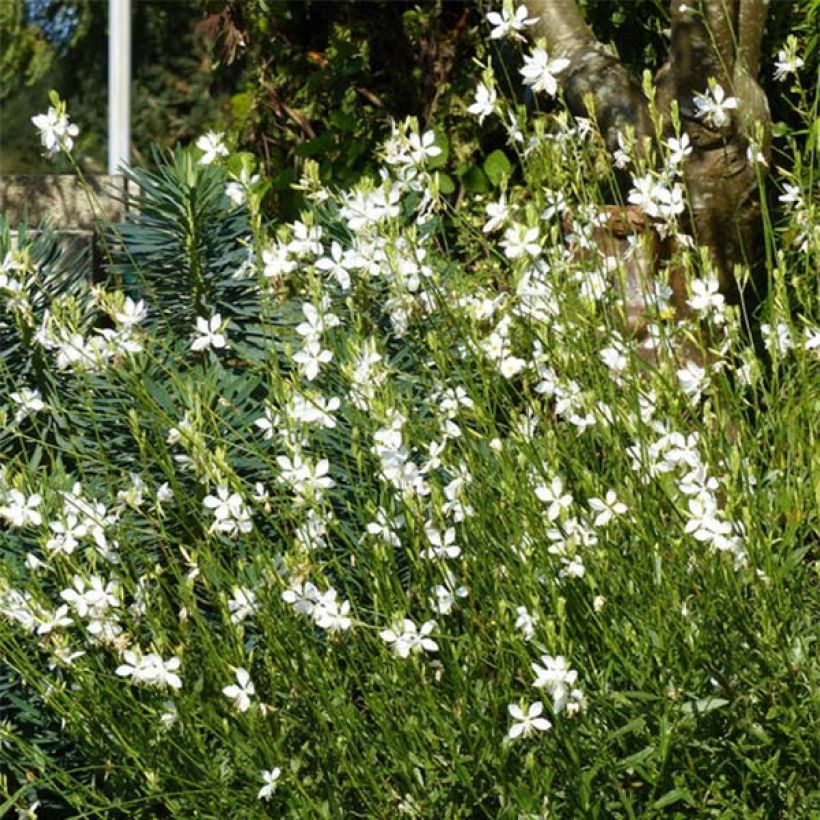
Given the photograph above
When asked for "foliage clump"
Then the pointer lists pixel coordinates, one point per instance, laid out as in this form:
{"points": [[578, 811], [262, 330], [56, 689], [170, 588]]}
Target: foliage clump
{"points": [[383, 509]]}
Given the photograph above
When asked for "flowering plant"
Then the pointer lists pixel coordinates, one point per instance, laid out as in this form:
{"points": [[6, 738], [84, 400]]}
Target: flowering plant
{"points": [[328, 493]]}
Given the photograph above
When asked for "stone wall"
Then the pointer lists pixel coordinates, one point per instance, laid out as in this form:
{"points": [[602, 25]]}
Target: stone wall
{"points": [[60, 200]]}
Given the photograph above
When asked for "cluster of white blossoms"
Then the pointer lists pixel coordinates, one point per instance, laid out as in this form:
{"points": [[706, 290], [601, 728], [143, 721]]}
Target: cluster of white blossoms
{"points": [[324, 608], [554, 675], [104, 346], [676, 455], [150, 669], [230, 512], [406, 638]]}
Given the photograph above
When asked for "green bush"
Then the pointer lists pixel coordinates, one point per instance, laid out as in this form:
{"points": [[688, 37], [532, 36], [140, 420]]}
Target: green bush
{"points": [[306, 519]]}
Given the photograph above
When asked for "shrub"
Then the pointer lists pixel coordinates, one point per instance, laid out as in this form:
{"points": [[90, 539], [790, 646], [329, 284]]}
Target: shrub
{"points": [[383, 511]]}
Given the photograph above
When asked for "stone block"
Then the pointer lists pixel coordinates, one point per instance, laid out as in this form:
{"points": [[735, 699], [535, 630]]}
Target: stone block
{"points": [[60, 200]]}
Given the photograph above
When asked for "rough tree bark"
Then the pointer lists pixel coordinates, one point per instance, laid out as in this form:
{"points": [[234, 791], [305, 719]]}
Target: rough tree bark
{"points": [[710, 38]]}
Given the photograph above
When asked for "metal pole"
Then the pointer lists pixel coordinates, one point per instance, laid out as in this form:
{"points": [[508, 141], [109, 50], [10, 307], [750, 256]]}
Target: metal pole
{"points": [[119, 83]]}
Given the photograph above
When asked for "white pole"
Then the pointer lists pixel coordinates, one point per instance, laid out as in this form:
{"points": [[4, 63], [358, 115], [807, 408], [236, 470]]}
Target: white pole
{"points": [[119, 83]]}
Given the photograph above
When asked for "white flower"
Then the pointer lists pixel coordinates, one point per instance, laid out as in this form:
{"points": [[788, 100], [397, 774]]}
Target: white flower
{"points": [[812, 339], [66, 535], [306, 479], [442, 545], [302, 597], [525, 622], [237, 189], [556, 677], [132, 313], [606, 508], [445, 595], [556, 205], [508, 23], [498, 214], [212, 146], [693, 380], [56, 133], [231, 514], [210, 333], [334, 265], [312, 410], [27, 401], [679, 149], [150, 669], [527, 723], [93, 598], [787, 60], [485, 99], [554, 497], [267, 423], [50, 621], [409, 638], [306, 240], [642, 194], [705, 523], [713, 106], [170, 716], [706, 295], [539, 71], [311, 357], [20, 510], [791, 196], [329, 614], [422, 146], [276, 262], [755, 155], [778, 338], [520, 240], [270, 779], [242, 604], [241, 692], [317, 320]]}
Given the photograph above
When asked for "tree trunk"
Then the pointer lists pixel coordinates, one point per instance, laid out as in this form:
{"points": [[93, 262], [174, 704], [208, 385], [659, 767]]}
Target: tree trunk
{"points": [[717, 39]]}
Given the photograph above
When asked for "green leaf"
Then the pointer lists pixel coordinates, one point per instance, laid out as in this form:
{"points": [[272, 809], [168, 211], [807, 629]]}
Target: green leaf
{"points": [[703, 705], [497, 166], [445, 183], [242, 161], [475, 181], [672, 797], [318, 145]]}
